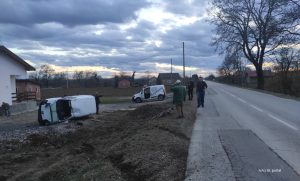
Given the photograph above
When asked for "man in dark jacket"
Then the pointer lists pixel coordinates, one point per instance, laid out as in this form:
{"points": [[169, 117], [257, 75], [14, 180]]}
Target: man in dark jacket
{"points": [[179, 93], [98, 101], [5, 106], [190, 89], [200, 89]]}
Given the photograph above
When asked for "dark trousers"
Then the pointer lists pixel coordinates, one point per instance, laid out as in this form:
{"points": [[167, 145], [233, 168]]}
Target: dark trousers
{"points": [[200, 97], [7, 112], [190, 92], [97, 108]]}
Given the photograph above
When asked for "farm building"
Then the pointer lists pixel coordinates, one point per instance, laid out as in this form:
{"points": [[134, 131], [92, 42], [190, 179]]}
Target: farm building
{"points": [[123, 83], [27, 89], [12, 67], [167, 78]]}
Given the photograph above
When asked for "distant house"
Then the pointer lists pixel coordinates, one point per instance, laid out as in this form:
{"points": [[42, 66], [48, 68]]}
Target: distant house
{"points": [[12, 67], [167, 78], [28, 88], [123, 83], [251, 76]]}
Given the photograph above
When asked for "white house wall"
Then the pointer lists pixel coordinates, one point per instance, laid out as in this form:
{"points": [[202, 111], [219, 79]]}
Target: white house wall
{"points": [[13, 83], [9, 71]]}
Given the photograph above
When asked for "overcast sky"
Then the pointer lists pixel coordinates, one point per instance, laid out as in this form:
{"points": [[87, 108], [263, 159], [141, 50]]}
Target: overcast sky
{"points": [[110, 35]]}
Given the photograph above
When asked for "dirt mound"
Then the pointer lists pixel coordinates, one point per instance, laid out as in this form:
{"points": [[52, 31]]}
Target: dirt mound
{"points": [[118, 146]]}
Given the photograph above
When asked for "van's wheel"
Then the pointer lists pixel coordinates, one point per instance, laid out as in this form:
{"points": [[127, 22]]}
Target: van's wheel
{"points": [[161, 97], [44, 123], [138, 100]]}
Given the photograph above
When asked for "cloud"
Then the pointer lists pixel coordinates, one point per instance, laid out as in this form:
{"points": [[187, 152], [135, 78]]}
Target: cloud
{"points": [[71, 12], [117, 35]]}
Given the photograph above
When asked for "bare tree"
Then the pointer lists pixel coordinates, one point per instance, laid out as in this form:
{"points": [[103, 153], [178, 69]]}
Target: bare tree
{"points": [[256, 27], [95, 76], [285, 58], [90, 75], [60, 76], [91, 78], [78, 76], [132, 78], [45, 73], [297, 2], [34, 76], [230, 65], [123, 74]]}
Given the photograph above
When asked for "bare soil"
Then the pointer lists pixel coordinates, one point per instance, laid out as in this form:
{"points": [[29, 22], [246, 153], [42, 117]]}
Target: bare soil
{"points": [[148, 143]]}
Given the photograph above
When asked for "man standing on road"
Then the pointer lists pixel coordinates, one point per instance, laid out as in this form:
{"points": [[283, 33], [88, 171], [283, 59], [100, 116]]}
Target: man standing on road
{"points": [[200, 89], [179, 93], [190, 89]]}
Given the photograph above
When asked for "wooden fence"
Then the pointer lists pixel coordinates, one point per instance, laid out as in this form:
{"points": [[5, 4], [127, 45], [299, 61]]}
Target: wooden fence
{"points": [[23, 96]]}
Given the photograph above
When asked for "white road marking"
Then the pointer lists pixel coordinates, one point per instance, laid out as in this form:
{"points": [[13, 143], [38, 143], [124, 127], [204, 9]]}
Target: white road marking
{"points": [[283, 122], [257, 108], [242, 100], [261, 110], [228, 93], [232, 95]]}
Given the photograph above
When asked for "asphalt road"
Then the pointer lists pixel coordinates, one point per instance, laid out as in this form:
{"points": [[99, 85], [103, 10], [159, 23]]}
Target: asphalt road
{"points": [[245, 135]]}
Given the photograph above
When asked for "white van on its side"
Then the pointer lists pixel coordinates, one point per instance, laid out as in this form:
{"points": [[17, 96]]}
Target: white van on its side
{"points": [[59, 109], [150, 93]]}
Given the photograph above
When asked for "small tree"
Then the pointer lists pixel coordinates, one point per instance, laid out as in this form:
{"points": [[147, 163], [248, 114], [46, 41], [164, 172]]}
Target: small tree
{"points": [[78, 76], [231, 64], [45, 73], [284, 59], [211, 77], [34, 76]]}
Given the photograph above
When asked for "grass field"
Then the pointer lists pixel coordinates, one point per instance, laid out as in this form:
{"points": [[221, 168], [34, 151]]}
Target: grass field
{"points": [[114, 100], [104, 91]]}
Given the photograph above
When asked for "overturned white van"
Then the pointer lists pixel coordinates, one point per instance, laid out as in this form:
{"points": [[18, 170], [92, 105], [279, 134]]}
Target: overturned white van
{"points": [[59, 109], [150, 93]]}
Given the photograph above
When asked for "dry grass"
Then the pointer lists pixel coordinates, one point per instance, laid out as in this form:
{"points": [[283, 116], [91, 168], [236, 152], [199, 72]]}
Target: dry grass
{"points": [[116, 146], [105, 91]]}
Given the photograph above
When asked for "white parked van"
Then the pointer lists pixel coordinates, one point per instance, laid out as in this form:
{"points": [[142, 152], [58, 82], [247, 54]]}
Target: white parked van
{"points": [[59, 109], [150, 93]]}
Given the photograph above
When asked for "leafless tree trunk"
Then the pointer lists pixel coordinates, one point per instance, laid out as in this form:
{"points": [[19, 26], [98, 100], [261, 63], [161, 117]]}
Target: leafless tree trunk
{"points": [[256, 27]]}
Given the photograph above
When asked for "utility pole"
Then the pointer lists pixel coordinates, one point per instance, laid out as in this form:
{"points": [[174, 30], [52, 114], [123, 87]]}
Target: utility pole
{"points": [[171, 71], [67, 79], [183, 61]]}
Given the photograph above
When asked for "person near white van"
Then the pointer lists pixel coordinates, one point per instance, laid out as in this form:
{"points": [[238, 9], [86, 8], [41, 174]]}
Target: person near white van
{"points": [[179, 94]]}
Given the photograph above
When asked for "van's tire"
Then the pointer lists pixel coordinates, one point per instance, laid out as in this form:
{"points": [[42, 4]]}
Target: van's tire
{"points": [[138, 100], [44, 123], [161, 97]]}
